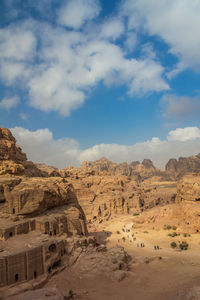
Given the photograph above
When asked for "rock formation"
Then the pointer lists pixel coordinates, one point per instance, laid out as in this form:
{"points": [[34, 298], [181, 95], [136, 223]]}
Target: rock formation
{"points": [[182, 166], [44, 211], [183, 213], [41, 222], [48, 171], [12, 159], [135, 170], [113, 262], [102, 196]]}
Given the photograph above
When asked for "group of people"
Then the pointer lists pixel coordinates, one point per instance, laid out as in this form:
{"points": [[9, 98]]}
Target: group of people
{"points": [[156, 247], [141, 245]]}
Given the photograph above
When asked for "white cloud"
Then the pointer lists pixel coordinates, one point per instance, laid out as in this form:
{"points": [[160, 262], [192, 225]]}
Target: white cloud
{"points": [[180, 107], [11, 72], [176, 22], [17, 43], [112, 29], [57, 66], [40, 146], [8, 103], [76, 12], [184, 134], [131, 41]]}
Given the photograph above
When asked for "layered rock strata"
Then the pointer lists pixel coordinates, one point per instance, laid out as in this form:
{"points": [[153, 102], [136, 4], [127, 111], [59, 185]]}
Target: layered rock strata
{"points": [[102, 196], [12, 159], [182, 166]]}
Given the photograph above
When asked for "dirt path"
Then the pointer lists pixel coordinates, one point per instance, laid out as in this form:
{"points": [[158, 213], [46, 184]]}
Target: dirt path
{"points": [[162, 279]]}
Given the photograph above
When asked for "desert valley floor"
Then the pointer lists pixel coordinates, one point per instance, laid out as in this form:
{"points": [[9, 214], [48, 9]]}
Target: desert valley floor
{"points": [[154, 274]]}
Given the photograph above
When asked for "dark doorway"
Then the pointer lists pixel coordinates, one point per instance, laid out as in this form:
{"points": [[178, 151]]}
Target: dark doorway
{"points": [[56, 264], [16, 277], [35, 274], [52, 248], [13, 211]]}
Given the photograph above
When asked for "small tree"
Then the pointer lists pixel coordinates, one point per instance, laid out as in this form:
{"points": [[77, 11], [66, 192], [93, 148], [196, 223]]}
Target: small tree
{"points": [[173, 245], [183, 245]]}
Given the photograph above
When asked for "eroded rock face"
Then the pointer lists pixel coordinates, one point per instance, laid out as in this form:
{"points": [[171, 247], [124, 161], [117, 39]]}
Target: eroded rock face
{"points": [[111, 262], [49, 171], [102, 196], [184, 213], [135, 170], [188, 189], [12, 159], [182, 166], [33, 196], [7, 182]]}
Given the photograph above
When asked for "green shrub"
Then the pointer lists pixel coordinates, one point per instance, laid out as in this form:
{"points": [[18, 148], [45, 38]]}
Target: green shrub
{"points": [[173, 234], [183, 245], [173, 245], [174, 227], [118, 232], [145, 231], [135, 214], [167, 227], [186, 235]]}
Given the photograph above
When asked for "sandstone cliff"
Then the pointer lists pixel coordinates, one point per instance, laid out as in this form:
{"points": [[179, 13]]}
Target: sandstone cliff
{"points": [[136, 170], [102, 196], [184, 213], [182, 166], [12, 159]]}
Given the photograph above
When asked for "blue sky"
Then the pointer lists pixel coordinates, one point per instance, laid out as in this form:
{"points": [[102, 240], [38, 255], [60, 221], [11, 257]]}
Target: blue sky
{"points": [[82, 79]]}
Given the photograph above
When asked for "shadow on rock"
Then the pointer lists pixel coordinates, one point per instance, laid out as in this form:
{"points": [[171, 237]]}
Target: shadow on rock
{"points": [[101, 236]]}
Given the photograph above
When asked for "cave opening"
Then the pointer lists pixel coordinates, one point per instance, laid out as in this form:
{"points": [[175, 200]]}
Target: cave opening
{"points": [[52, 248], [16, 277]]}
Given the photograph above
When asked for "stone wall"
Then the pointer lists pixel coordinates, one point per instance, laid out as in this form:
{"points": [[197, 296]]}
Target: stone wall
{"points": [[30, 264], [35, 265], [15, 229]]}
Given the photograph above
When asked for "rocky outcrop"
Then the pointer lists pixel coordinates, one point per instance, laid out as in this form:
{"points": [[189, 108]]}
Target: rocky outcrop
{"points": [[7, 182], [49, 171], [135, 170], [12, 159], [113, 262], [183, 213], [182, 166], [33, 196], [41, 221], [188, 189], [102, 196]]}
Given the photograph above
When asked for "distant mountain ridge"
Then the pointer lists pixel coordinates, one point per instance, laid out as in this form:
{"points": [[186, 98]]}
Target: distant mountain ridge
{"points": [[183, 165], [174, 169]]}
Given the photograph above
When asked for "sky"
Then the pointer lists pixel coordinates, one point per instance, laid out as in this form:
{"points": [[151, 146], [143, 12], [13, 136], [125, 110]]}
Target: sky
{"points": [[83, 79]]}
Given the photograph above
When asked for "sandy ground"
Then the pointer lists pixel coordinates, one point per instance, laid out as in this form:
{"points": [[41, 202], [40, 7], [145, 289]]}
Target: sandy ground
{"points": [[168, 278]]}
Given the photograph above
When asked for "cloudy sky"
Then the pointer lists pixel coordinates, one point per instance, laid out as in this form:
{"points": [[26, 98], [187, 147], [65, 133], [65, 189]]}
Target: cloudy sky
{"points": [[82, 79]]}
